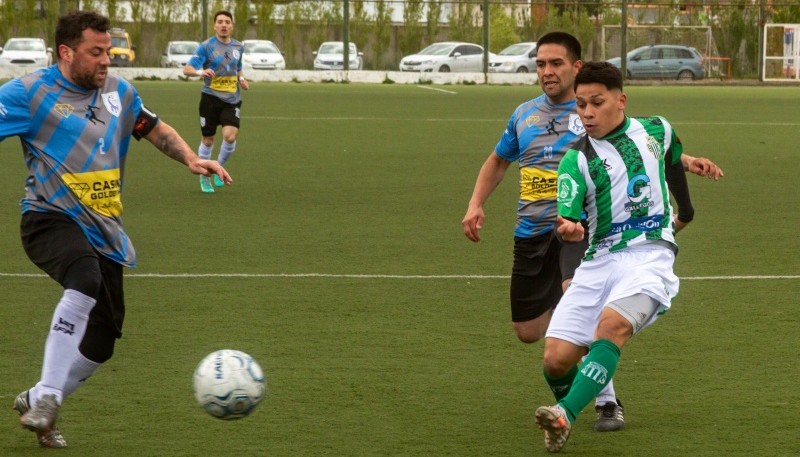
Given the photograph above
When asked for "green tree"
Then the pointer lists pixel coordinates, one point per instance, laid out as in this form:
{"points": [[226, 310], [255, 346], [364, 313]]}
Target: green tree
{"points": [[382, 32], [265, 12], [736, 34], [359, 24], [241, 17], [502, 28], [432, 16], [410, 38], [464, 22], [290, 18]]}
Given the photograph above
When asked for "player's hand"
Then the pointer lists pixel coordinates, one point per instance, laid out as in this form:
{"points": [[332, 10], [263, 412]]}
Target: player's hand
{"points": [[210, 168], [245, 84], [472, 223], [704, 167], [569, 230]]}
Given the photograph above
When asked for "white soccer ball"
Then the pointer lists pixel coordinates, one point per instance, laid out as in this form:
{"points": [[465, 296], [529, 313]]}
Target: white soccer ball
{"points": [[229, 384]]}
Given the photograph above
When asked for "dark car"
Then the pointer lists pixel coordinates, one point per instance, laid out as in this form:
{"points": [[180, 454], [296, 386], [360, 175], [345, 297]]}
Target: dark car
{"points": [[663, 61]]}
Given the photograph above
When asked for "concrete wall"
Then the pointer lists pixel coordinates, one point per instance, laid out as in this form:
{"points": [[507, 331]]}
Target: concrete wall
{"points": [[309, 76]]}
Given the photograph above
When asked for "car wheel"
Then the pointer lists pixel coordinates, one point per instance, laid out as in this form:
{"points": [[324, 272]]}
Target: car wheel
{"points": [[444, 69], [522, 69], [685, 75]]}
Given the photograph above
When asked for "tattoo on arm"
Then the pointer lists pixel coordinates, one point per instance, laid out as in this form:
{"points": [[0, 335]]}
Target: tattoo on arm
{"points": [[171, 144]]}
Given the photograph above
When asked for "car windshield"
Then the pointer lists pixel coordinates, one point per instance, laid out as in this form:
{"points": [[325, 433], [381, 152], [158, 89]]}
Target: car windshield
{"points": [[183, 48], [119, 42], [515, 50], [25, 45], [336, 48], [261, 48], [437, 50]]}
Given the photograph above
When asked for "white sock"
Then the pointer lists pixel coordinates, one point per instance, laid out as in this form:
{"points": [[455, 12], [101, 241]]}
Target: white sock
{"points": [[61, 348], [225, 151], [607, 395], [205, 151]]}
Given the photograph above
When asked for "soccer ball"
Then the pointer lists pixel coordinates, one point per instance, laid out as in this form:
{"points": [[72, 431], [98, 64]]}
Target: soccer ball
{"points": [[229, 384]]}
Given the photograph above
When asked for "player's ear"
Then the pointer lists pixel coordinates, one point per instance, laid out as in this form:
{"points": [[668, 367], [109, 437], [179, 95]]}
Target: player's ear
{"points": [[623, 101]]}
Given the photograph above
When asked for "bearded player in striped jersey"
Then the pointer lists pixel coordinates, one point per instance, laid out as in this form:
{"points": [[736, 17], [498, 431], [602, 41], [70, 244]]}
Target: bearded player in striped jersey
{"points": [[75, 122], [621, 173]]}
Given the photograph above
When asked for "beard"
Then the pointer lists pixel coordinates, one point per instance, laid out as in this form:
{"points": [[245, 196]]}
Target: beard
{"points": [[94, 80]]}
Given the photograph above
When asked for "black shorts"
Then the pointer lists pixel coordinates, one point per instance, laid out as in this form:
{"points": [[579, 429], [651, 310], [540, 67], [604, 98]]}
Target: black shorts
{"points": [[214, 112], [541, 264], [54, 242]]}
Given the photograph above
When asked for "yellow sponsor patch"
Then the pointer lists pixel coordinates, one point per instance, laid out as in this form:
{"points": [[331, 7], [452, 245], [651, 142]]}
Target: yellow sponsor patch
{"points": [[536, 184], [98, 190], [223, 83]]}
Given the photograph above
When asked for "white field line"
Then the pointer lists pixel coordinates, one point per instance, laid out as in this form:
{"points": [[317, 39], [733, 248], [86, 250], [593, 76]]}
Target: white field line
{"points": [[373, 276], [438, 90], [482, 120]]}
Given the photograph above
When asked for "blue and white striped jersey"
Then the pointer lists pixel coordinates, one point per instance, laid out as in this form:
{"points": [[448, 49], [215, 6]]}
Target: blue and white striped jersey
{"points": [[74, 142], [226, 61], [537, 136]]}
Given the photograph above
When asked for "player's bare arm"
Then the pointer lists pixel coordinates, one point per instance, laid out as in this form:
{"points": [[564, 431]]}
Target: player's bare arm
{"points": [[568, 230], [701, 166], [168, 141], [491, 174]]}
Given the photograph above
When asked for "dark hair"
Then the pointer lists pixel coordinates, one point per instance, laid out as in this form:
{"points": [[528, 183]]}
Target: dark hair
{"points": [[572, 45], [70, 27], [223, 13], [599, 72]]}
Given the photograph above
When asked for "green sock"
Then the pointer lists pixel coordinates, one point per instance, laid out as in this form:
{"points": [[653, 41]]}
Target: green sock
{"points": [[596, 371], [562, 385]]}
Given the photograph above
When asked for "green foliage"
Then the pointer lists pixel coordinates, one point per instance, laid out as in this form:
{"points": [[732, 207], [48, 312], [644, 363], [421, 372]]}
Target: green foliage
{"points": [[382, 28], [432, 16], [360, 30], [464, 23], [410, 38], [787, 14], [736, 33], [266, 27], [502, 28], [574, 20]]}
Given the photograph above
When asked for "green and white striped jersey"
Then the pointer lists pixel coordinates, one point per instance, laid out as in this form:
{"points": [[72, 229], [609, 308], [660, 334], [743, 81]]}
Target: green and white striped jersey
{"points": [[619, 181]]}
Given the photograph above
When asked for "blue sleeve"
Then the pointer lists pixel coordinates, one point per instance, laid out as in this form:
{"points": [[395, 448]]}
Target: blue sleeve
{"points": [[199, 57], [15, 115], [508, 146]]}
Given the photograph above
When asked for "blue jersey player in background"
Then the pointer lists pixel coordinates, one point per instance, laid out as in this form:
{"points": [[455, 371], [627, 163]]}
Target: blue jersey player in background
{"points": [[75, 122], [218, 60]]}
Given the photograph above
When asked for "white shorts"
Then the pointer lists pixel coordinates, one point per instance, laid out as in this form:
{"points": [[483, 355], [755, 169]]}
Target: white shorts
{"points": [[597, 282]]}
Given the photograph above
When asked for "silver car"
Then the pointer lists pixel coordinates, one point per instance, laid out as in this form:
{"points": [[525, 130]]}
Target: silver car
{"points": [[330, 56], [25, 52], [445, 57], [178, 53], [517, 58], [663, 61]]}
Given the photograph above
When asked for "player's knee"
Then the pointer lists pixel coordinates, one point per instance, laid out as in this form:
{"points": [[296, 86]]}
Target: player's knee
{"points": [[84, 276], [528, 333], [555, 365], [229, 137]]}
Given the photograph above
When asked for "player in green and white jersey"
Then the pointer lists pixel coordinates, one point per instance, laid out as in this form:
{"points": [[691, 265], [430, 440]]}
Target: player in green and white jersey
{"points": [[621, 174]]}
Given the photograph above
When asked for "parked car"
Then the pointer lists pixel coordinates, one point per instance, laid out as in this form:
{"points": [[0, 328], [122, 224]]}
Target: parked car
{"points": [[122, 52], [445, 56], [330, 56], [178, 53], [517, 58], [26, 52], [262, 55], [663, 61]]}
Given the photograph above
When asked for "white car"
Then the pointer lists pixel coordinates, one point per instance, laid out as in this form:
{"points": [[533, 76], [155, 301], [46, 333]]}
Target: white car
{"points": [[26, 52], [262, 55], [517, 58], [330, 56], [445, 56], [178, 53]]}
